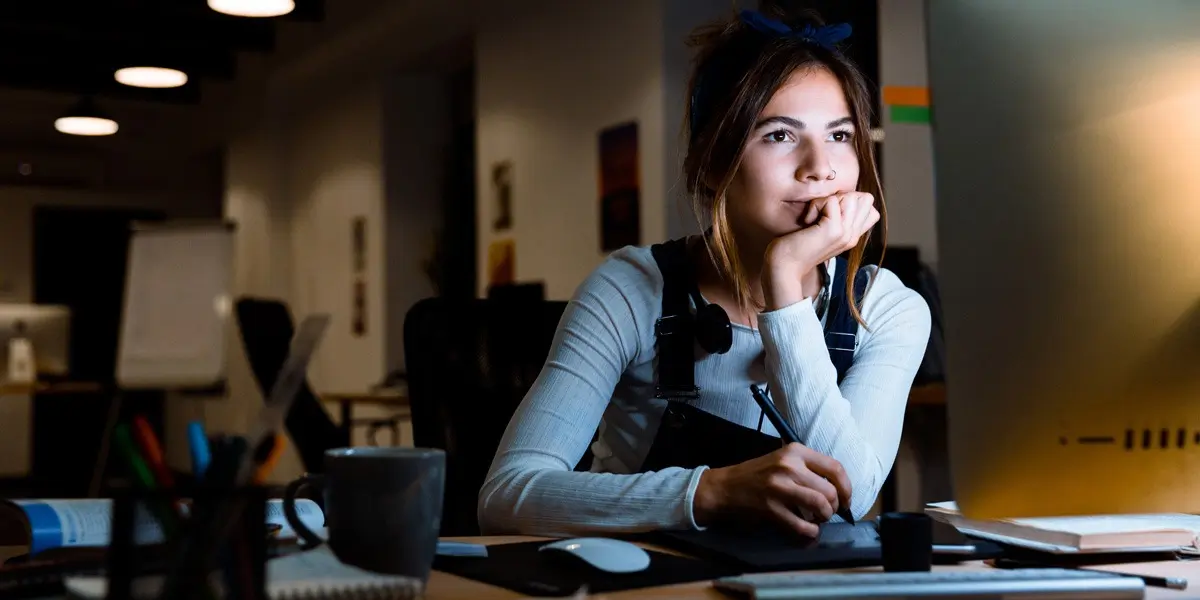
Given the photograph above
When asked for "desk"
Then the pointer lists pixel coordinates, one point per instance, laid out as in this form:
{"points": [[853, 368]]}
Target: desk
{"points": [[392, 399], [46, 387], [445, 585]]}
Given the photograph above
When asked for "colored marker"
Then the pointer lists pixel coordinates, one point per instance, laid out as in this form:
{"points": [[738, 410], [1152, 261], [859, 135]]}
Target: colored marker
{"points": [[201, 455], [152, 451]]}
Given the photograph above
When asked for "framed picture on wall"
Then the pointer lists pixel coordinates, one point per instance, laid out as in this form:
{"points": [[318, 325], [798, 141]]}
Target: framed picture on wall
{"points": [[620, 187], [502, 262], [502, 195]]}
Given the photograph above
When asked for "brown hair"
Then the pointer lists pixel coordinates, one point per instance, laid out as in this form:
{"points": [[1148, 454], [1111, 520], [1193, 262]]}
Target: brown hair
{"points": [[735, 73]]}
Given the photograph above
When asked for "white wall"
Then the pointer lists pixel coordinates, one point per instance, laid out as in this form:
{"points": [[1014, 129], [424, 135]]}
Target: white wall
{"points": [[16, 276], [546, 85], [295, 186], [335, 174], [908, 147]]}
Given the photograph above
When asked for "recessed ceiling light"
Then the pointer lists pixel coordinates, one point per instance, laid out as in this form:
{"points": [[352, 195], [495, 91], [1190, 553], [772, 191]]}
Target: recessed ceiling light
{"points": [[253, 8], [151, 77], [92, 126], [85, 119]]}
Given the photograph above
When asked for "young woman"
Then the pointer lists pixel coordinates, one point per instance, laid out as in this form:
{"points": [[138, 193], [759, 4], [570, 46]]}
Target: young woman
{"points": [[780, 165]]}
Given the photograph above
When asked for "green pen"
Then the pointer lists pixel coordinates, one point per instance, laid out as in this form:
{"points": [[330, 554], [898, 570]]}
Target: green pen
{"points": [[145, 479]]}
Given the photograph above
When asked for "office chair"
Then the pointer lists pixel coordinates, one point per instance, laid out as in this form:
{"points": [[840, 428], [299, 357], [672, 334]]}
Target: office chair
{"points": [[470, 363], [267, 329]]}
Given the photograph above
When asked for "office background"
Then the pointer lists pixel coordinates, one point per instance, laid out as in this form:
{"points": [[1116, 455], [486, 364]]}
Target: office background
{"points": [[393, 115]]}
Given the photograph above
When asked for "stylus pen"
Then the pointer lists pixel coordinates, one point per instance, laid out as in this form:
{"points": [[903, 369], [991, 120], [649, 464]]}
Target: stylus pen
{"points": [[1171, 583], [789, 436]]}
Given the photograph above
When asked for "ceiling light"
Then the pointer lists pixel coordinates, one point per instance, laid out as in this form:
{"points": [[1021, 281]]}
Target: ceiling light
{"points": [[253, 8], [85, 119], [151, 77]]}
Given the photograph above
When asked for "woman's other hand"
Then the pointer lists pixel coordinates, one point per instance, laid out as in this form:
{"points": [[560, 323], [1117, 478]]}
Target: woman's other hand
{"points": [[829, 227]]}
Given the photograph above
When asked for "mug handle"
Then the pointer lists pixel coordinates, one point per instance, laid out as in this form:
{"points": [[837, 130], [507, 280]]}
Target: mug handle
{"points": [[310, 539]]}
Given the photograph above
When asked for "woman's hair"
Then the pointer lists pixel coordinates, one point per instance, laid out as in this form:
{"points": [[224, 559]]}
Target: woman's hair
{"points": [[736, 71]]}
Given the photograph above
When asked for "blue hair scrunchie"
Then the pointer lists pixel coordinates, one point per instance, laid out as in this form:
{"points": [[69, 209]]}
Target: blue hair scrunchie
{"points": [[826, 36]]}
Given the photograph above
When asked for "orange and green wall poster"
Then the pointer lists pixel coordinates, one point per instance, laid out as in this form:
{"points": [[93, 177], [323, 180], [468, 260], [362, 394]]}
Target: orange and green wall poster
{"points": [[907, 104]]}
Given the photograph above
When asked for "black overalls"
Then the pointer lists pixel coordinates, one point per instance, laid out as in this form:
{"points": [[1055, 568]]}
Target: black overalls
{"points": [[689, 437]]}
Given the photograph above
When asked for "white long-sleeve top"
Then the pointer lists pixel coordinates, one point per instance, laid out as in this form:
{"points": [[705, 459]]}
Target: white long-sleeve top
{"points": [[600, 371]]}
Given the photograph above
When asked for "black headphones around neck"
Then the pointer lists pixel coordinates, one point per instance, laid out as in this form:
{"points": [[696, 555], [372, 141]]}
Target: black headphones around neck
{"points": [[679, 329], [711, 325]]}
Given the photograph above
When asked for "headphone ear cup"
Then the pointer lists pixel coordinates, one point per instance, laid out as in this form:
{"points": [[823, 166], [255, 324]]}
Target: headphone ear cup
{"points": [[714, 332]]}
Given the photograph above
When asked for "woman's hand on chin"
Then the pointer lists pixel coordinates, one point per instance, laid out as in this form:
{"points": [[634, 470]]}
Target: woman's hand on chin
{"points": [[830, 226]]}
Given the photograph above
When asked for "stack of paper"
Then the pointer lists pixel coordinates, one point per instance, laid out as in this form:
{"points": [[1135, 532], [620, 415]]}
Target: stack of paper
{"points": [[1167, 532]]}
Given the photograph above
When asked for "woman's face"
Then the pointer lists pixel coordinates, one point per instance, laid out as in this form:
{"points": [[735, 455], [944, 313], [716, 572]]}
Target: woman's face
{"points": [[801, 148]]}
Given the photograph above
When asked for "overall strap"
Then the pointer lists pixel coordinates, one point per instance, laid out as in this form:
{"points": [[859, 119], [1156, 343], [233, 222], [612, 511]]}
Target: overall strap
{"points": [[676, 355], [840, 327]]}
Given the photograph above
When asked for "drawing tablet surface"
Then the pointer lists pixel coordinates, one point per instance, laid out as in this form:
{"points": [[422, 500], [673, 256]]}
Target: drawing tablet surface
{"points": [[774, 549]]}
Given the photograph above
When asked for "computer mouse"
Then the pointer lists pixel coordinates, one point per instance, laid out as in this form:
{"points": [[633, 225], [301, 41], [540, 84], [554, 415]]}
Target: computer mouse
{"points": [[612, 556]]}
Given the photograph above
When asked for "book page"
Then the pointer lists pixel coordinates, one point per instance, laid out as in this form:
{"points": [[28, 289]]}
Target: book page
{"points": [[309, 512]]}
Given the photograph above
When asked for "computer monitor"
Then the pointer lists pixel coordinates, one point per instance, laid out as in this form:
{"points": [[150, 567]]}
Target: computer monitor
{"points": [[1066, 140], [47, 327]]}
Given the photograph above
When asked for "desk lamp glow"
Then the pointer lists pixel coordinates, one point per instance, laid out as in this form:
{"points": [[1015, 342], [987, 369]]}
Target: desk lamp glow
{"points": [[85, 119], [1066, 140], [253, 8]]}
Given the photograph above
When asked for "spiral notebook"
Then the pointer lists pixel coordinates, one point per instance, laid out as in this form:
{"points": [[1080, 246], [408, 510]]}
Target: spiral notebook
{"points": [[313, 575]]}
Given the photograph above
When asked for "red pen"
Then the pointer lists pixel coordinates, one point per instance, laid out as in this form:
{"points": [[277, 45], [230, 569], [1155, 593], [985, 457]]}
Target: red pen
{"points": [[152, 452]]}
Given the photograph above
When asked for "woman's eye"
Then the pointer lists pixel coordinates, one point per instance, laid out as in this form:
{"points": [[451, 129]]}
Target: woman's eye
{"points": [[777, 137], [841, 136]]}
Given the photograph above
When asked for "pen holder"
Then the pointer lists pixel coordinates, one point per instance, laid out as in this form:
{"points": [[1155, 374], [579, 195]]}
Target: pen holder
{"points": [[197, 543]]}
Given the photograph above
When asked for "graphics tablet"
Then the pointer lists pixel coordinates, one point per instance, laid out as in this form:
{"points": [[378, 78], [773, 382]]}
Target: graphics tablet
{"points": [[762, 549], [840, 545]]}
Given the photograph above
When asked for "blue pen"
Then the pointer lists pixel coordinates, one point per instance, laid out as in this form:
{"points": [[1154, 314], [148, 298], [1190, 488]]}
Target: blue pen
{"points": [[201, 455]]}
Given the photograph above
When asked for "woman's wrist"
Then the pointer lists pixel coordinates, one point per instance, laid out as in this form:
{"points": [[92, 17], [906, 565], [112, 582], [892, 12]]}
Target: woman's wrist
{"points": [[709, 498], [787, 284]]}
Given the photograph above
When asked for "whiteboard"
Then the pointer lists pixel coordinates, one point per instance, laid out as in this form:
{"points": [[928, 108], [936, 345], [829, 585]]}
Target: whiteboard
{"points": [[177, 307]]}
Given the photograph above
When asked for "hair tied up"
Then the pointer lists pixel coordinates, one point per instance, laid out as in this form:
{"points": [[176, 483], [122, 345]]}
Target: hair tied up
{"points": [[826, 36]]}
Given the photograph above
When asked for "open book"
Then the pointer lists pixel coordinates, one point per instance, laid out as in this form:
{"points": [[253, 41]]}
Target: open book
{"points": [[1166, 532], [83, 523]]}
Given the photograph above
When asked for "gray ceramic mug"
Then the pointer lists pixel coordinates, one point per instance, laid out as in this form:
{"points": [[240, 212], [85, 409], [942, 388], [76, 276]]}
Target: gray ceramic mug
{"points": [[383, 507]]}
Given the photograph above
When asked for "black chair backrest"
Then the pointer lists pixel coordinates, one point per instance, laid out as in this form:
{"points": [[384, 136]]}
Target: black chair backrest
{"points": [[267, 329], [470, 362], [905, 262]]}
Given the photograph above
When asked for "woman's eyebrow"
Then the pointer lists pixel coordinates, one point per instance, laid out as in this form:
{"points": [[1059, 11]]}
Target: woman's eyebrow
{"points": [[798, 124]]}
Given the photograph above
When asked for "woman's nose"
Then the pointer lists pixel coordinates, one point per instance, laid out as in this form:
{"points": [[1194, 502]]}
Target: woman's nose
{"points": [[815, 165]]}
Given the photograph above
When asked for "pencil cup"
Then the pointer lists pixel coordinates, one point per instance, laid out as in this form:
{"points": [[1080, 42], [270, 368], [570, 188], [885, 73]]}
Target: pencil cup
{"points": [[906, 541], [153, 534], [383, 507]]}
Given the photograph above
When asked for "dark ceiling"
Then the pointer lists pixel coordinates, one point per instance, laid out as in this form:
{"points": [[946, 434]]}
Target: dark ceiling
{"points": [[75, 46]]}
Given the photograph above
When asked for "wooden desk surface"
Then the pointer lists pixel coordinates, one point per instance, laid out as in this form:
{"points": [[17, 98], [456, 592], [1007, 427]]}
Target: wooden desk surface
{"points": [[445, 585], [387, 398], [45, 387]]}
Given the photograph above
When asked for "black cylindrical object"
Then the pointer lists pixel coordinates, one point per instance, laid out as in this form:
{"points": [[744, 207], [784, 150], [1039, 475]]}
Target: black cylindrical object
{"points": [[906, 541]]}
